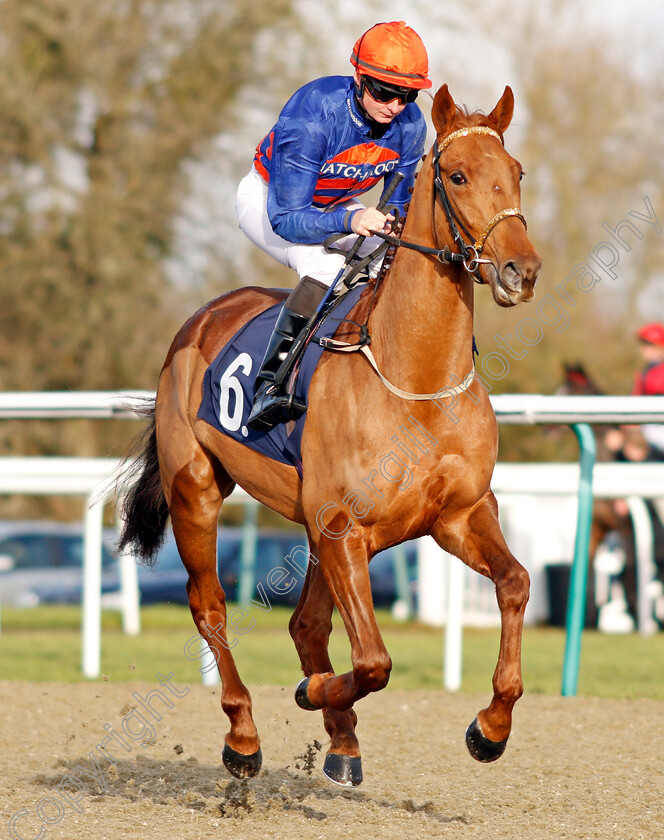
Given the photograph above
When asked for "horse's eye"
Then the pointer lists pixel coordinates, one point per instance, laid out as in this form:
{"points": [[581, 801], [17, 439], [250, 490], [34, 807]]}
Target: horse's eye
{"points": [[521, 175], [458, 178]]}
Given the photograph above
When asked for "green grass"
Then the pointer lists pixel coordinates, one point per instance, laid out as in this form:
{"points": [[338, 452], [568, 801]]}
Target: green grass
{"points": [[45, 644]]}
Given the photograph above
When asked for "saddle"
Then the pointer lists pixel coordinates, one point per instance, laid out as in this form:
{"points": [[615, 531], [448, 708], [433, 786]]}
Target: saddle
{"points": [[229, 381]]}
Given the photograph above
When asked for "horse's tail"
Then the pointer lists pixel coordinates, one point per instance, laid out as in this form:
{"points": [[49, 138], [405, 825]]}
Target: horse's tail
{"points": [[144, 508]]}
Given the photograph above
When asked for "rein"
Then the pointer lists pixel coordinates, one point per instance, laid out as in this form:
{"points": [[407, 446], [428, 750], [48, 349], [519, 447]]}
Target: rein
{"points": [[468, 255]]}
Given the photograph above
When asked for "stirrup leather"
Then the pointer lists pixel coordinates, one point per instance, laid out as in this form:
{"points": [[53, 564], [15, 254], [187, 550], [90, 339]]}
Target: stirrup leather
{"points": [[272, 403]]}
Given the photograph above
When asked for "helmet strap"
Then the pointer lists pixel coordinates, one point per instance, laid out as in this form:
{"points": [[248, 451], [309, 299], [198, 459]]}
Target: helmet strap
{"points": [[377, 129]]}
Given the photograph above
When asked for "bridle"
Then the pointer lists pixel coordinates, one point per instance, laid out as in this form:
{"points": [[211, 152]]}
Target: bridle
{"points": [[469, 255], [472, 254]]}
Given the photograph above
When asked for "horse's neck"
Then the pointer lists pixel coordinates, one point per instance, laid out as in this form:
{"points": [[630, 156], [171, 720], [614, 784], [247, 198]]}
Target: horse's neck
{"points": [[422, 324]]}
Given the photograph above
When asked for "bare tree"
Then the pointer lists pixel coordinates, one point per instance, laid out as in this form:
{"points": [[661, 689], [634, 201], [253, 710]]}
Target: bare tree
{"points": [[101, 107], [592, 151]]}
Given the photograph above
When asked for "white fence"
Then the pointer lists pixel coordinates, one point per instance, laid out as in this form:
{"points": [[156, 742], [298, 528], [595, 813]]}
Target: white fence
{"points": [[90, 477], [67, 405], [94, 479], [518, 487]]}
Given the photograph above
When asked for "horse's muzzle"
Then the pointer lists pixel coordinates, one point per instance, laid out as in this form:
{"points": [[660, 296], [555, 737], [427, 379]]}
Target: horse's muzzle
{"points": [[514, 280]]}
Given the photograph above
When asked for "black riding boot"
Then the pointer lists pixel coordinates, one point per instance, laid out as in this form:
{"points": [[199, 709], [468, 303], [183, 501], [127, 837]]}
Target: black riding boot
{"points": [[272, 405]]}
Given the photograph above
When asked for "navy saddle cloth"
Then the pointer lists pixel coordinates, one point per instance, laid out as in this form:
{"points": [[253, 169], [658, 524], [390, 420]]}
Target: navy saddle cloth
{"points": [[229, 382]]}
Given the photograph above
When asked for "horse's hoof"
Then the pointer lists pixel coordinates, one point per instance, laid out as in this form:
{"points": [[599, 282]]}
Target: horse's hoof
{"points": [[343, 770], [302, 698], [480, 747], [240, 765]]}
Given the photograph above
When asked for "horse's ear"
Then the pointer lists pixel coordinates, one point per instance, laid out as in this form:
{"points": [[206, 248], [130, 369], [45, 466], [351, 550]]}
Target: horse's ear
{"points": [[502, 113], [443, 111]]}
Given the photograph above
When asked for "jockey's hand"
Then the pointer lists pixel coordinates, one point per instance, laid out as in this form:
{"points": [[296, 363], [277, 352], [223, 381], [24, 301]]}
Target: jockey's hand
{"points": [[366, 221]]}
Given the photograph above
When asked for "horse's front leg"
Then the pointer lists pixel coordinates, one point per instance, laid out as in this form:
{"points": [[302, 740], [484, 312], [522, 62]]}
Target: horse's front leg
{"points": [[476, 538], [310, 627], [344, 564]]}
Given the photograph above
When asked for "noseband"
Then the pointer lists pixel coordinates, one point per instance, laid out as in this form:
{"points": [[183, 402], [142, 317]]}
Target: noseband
{"points": [[472, 254], [469, 255]]}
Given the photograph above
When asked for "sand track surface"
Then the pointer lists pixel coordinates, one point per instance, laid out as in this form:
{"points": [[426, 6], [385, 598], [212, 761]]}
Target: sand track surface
{"points": [[574, 768]]}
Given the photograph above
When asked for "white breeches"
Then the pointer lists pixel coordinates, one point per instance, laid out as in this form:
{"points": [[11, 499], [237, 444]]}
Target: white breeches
{"points": [[311, 260]]}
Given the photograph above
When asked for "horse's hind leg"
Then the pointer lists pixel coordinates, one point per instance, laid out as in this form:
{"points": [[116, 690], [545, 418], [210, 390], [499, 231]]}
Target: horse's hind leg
{"points": [[197, 490], [477, 539], [310, 627]]}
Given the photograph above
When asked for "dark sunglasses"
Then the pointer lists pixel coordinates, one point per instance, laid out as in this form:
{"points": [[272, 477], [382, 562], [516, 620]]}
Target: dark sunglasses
{"points": [[386, 93]]}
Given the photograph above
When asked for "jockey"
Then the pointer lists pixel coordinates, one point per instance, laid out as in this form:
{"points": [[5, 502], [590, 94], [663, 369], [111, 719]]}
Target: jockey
{"points": [[335, 139]]}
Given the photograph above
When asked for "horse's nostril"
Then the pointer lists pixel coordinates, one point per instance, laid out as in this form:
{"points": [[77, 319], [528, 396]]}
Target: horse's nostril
{"points": [[510, 275]]}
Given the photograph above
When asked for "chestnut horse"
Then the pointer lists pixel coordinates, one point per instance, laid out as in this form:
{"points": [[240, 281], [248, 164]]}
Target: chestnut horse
{"points": [[421, 323]]}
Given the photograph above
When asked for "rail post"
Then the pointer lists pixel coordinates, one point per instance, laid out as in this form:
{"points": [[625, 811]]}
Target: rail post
{"points": [[576, 600], [247, 581]]}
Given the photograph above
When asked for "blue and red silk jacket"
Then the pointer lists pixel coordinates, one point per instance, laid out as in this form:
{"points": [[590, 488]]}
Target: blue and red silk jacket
{"points": [[321, 152]]}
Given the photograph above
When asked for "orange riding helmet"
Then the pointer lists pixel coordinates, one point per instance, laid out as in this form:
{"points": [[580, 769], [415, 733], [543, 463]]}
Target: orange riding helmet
{"points": [[393, 53]]}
